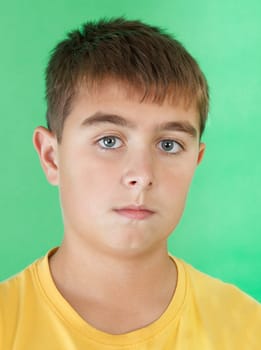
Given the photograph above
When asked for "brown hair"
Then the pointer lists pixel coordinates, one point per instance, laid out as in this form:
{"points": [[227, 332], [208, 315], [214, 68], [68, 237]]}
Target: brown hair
{"points": [[141, 56]]}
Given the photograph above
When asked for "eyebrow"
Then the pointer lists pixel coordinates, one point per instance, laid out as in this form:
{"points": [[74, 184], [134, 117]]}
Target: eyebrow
{"points": [[101, 118], [182, 126]]}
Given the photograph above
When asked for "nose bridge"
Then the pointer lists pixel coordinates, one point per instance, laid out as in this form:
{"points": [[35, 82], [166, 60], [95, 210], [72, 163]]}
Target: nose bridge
{"points": [[139, 168]]}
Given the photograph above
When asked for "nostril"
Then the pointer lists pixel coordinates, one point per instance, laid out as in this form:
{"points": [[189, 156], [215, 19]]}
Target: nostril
{"points": [[133, 182]]}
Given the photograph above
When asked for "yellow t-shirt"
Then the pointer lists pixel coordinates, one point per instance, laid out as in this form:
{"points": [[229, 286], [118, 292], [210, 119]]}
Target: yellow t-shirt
{"points": [[204, 314]]}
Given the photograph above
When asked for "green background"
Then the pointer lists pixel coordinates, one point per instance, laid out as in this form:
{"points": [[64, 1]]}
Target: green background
{"points": [[220, 232]]}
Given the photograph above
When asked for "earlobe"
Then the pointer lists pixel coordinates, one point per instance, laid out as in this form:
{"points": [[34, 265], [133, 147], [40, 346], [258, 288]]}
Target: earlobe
{"points": [[202, 148], [45, 144]]}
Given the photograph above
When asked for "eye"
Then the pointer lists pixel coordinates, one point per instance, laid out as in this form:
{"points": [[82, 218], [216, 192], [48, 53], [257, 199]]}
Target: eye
{"points": [[109, 142], [170, 146]]}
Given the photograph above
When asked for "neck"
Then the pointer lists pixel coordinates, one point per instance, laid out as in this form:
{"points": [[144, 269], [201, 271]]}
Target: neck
{"points": [[115, 281], [78, 264]]}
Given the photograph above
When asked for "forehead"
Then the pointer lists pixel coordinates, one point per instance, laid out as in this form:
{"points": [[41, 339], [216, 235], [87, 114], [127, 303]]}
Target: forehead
{"points": [[125, 100]]}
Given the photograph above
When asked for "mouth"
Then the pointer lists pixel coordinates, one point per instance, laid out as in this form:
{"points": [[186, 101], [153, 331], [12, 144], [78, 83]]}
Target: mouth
{"points": [[135, 212]]}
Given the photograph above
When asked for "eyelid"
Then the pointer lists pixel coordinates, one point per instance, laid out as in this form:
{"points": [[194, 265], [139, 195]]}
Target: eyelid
{"points": [[172, 139], [112, 136], [179, 143]]}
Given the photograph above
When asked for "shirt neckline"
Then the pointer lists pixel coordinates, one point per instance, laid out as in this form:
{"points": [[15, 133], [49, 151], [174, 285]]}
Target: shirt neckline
{"points": [[69, 316]]}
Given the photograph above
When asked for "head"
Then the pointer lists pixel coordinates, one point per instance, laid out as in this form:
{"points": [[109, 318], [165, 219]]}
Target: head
{"points": [[127, 106], [144, 58]]}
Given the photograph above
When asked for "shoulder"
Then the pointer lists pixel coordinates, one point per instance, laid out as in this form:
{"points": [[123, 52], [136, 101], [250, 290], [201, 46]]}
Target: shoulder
{"points": [[22, 289], [15, 288], [214, 289], [18, 295], [15, 292], [222, 308]]}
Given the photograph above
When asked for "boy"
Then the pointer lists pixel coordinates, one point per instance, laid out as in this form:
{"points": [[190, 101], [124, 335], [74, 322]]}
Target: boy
{"points": [[127, 106]]}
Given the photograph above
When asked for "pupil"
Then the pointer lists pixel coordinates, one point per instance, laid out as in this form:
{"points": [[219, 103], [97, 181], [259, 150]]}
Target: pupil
{"points": [[109, 141], [167, 145]]}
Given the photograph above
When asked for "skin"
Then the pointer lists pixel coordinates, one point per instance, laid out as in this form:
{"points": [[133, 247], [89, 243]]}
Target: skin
{"points": [[122, 257]]}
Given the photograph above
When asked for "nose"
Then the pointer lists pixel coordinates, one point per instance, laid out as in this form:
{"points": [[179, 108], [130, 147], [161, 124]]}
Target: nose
{"points": [[138, 172]]}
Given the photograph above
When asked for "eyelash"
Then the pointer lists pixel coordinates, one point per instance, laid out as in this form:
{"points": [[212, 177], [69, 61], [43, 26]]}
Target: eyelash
{"points": [[116, 137]]}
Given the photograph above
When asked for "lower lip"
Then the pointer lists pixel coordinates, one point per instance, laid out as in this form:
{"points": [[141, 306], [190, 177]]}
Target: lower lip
{"points": [[135, 214]]}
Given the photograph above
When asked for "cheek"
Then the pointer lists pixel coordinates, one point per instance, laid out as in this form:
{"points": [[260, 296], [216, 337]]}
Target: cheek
{"points": [[178, 176], [87, 180]]}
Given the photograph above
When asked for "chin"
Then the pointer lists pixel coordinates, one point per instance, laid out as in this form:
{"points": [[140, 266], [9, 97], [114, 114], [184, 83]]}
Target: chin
{"points": [[134, 246]]}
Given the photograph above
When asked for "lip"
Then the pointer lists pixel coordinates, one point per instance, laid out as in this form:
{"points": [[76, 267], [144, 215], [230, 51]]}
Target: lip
{"points": [[135, 212]]}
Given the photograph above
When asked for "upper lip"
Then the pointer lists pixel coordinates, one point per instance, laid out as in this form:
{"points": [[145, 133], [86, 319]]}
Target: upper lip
{"points": [[136, 207]]}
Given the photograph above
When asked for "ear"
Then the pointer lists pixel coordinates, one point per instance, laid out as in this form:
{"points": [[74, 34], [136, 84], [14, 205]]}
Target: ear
{"points": [[201, 152], [45, 144]]}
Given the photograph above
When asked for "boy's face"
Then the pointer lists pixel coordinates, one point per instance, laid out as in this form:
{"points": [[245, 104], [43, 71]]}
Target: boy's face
{"points": [[143, 155]]}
